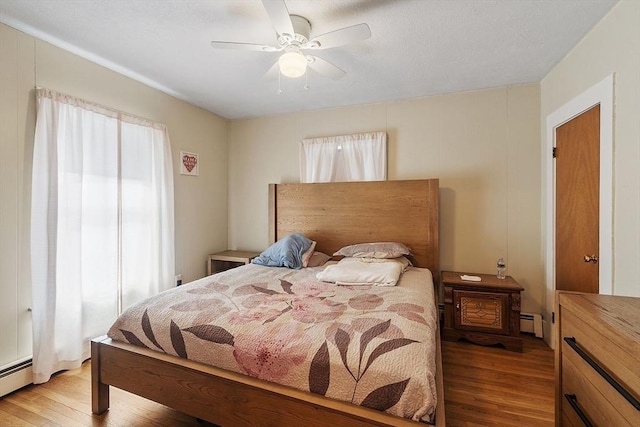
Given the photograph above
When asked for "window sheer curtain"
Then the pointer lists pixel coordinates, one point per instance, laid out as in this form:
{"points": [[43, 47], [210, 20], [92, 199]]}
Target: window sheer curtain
{"points": [[102, 224], [358, 157]]}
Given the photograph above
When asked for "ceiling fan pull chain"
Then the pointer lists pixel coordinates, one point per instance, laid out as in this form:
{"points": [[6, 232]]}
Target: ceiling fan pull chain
{"points": [[279, 90], [306, 81]]}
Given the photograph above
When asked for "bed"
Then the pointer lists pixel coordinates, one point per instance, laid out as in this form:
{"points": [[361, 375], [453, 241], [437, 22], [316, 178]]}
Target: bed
{"points": [[334, 215]]}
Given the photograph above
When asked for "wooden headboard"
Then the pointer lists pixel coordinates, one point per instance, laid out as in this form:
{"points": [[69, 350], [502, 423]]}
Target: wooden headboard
{"points": [[343, 213]]}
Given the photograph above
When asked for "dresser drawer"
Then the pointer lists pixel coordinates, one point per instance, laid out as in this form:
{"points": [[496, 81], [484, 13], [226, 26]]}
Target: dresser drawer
{"points": [[569, 419], [594, 397], [597, 360], [620, 364]]}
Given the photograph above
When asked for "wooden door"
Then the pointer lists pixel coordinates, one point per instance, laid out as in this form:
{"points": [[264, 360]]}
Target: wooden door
{"points": [[577, 203]]}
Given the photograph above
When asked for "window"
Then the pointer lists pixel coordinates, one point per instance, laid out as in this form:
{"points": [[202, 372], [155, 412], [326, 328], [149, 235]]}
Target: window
{"points": [[359, 157], [101, 223]]}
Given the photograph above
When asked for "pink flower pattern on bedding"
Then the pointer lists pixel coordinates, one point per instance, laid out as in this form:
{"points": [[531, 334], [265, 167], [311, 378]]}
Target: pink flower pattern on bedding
{"points": [[372, 346], [261, 352]]}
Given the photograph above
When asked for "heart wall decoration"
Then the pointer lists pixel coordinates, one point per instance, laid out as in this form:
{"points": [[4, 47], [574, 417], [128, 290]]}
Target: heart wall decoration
{"points": [[189, 164]]}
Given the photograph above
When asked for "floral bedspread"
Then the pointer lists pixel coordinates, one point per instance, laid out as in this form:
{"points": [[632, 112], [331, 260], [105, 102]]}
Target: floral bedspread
{"points": [[372, 346]]}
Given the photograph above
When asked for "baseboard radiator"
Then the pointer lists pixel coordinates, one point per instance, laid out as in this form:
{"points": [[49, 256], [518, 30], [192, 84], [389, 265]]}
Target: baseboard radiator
{"points": [[15, 375], [531, 323]]}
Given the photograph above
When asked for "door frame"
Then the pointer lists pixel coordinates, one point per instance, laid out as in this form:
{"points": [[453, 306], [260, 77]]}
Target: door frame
{"points": [[601, 93]]}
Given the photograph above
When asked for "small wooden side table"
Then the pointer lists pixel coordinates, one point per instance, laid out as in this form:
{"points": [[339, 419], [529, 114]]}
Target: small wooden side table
{"points": [[222, 261], [485, 312]]}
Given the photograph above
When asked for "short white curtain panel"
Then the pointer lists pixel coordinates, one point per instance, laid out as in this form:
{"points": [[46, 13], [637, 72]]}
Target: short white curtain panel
{"points": [[358, 157], [102, 224]]}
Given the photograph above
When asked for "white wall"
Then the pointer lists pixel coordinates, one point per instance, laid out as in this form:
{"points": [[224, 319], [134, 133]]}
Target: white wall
{"points": [[17, 108], [483, 145], [201, 202], [612, 47]]}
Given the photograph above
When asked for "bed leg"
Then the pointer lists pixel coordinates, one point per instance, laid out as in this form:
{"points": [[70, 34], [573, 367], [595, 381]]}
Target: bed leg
{"points": [[99, 391]]}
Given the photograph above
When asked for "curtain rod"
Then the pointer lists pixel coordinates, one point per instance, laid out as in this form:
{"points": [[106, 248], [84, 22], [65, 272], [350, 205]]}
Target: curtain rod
{"points": [[97, 106]]}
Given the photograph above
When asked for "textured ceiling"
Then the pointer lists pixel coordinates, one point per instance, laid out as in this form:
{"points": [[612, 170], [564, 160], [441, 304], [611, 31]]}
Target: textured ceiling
{"points": [[417, 48]]}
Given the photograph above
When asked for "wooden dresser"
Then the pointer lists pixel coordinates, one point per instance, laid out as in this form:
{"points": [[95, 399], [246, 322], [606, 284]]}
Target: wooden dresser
{"points": [[597, 360]]}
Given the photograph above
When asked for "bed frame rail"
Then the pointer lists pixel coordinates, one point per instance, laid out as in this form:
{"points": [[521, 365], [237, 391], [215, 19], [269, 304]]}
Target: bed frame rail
{"points": [[218, 396]]}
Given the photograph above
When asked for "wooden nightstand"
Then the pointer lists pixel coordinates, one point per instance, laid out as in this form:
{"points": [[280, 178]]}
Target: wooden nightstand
{"points": [[226, 260], [485, 312]]}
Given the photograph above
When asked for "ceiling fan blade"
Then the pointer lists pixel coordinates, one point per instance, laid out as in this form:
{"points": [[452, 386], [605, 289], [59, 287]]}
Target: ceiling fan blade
{"points": [[244, 46], [341, 37], [279, 15], [273, 72], [325, 68]]}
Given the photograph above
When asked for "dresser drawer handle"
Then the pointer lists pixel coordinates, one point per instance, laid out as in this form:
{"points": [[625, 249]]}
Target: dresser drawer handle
{"points": [[573, 401], [604, 374]]}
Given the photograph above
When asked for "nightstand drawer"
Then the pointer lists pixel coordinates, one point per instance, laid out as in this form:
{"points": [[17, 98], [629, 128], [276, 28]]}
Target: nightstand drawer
{"points": [[482, 311]]}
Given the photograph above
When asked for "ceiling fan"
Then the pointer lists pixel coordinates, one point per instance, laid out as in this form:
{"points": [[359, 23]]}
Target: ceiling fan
{"points": [[293, 37]]}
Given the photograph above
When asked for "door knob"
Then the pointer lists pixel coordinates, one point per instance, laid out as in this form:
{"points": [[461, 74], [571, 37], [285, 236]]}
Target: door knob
{"points": [[592, 258]]}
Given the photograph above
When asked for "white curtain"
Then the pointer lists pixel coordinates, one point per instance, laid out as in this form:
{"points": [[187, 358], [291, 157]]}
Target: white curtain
{"points": [[358, 157], [102, 233]]}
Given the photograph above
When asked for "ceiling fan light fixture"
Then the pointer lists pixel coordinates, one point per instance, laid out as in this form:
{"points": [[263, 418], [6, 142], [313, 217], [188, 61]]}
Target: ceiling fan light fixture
{"points": [[292, 64]]}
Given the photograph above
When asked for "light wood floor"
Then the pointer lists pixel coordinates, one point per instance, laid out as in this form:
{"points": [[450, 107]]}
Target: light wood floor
{"points": [[489, 386], [484, 386]]}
